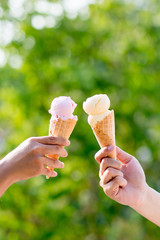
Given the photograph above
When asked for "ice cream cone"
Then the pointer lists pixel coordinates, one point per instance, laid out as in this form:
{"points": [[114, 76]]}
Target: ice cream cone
{"points": [[104, 131], [60, 128]]}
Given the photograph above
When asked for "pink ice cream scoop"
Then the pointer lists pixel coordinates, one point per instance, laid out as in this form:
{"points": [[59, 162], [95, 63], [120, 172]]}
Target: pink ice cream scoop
{"points": [[63, 107]]}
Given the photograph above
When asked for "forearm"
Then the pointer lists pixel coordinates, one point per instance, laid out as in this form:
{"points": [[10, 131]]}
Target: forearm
{"points": [[5, 177], [150, 206]]}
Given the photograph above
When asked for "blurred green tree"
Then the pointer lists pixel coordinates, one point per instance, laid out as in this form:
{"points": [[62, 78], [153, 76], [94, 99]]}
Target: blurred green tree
{"points": [[48, 49]]}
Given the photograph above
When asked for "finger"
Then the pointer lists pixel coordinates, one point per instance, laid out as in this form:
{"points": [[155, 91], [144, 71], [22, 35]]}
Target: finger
{"points": [[123, 156], [48, 173], [53, 149], [51, 140], [109, 174], [109, 162], [52, 162], [104, 152], [112, 188]]}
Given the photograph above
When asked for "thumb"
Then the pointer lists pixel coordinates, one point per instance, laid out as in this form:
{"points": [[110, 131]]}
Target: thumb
{"points": [[123, 156]]}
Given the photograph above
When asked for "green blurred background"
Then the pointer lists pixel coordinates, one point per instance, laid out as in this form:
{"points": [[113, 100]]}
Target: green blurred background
{"points": [[78, 48]]}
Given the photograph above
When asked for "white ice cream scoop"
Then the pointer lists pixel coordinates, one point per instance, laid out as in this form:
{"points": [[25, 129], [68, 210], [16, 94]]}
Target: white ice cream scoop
{"points": [[97, 107], [97, 104]]}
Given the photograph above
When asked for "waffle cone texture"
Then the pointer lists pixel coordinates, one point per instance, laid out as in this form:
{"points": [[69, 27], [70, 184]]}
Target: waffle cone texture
{"points": [[61, 128], [104, 131]]}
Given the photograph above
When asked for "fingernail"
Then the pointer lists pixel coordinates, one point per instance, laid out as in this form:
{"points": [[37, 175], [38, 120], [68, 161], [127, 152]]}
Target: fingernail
{"points": [[62, 164], [68, 143], [54, 174], [111, 147], [66, 154]]}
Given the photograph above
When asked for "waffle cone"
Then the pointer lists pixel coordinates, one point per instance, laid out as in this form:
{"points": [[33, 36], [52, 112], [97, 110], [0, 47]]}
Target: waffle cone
{"points": [[104, 131], [61, 128]]}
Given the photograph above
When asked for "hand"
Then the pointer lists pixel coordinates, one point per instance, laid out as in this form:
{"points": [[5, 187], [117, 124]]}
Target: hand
{"points": [[29, 159], [122, 180]]}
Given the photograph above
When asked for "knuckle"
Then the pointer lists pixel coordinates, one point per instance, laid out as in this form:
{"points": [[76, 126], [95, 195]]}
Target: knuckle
{"points": [[117, 180], [119, 164], [57, 148], [106, 191], [103, 166], [109, 171], [103, 180], [127, 159], [96, 156], [110, 191], [105, 162], [105, 151], [52, 138], [30, 140], [114, 192], [100, 183], [36, 147], [121, 174]]}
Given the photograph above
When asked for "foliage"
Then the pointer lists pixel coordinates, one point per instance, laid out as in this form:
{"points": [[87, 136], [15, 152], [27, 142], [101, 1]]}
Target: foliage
{"points": [[115, 50]]}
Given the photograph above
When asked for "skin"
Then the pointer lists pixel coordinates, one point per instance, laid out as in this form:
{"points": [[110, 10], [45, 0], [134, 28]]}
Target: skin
{"points": [[29, 160], [124, 181]]}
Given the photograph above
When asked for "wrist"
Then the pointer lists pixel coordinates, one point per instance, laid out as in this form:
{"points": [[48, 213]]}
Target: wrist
{"points": [[142, 199], [6, 176], [149, 207]]}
